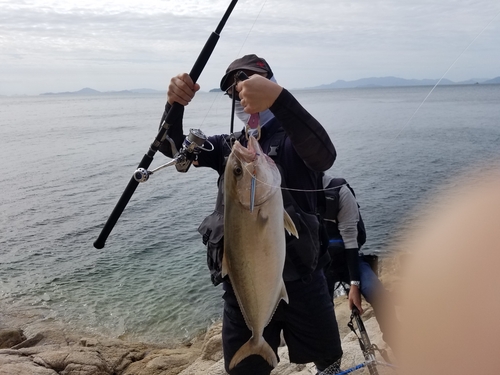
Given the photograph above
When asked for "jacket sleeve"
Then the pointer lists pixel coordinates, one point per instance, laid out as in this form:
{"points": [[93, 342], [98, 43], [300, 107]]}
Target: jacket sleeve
{"points": [[348, 218], [213, 158], [309, 138], [174, 131]]}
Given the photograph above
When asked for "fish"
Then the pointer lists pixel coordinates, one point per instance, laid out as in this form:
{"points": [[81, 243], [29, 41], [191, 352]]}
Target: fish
{"points": [[254, 242]]}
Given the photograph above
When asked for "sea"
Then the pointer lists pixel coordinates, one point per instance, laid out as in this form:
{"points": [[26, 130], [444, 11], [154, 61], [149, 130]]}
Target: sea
{"points": [[67, 160]]}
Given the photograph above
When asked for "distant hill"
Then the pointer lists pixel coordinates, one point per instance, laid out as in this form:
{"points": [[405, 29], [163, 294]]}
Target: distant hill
{"points": [[396, 82], [340, 84], [89, 91], [492, 81], [84, 91]]}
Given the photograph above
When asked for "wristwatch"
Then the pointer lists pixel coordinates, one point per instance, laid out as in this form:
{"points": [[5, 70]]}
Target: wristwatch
{"points": [[357, 283]]}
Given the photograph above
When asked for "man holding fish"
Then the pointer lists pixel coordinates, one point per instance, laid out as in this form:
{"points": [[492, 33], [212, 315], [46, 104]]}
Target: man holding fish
{"points": [[263, 238]]}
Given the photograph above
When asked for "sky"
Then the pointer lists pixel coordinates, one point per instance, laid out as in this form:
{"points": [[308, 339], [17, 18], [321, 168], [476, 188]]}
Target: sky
{"points": [[111, 45]]}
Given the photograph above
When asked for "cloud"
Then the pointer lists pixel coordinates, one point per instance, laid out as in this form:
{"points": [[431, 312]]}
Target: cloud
{"points": [[58, 45]]}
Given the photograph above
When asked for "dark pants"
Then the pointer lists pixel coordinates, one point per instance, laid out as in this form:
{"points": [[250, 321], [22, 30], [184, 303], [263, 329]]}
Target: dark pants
{"points": [[307, 321]]}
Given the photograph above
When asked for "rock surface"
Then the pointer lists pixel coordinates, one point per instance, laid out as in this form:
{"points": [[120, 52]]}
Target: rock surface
{"points": [[57, 352]]}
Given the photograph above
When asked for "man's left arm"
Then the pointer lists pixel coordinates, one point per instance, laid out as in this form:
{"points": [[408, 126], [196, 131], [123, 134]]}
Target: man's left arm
{"points": [[309, 138]]}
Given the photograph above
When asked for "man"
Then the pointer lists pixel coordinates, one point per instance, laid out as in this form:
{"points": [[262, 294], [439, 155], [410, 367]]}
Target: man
{"points": [[347, 265], [303, 150]]}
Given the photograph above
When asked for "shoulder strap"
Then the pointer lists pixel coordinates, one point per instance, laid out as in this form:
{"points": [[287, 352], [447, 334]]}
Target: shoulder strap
{"points": [[352, 190], [336, 182], [332, 207]]}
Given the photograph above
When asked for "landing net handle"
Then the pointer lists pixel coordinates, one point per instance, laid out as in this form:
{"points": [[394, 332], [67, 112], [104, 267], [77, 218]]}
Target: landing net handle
{"points": [[146, 161]]}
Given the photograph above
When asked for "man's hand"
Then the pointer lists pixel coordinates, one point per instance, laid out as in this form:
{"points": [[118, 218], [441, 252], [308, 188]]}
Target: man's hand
{"points": [[181, 89], [258, 93], [355, 298]]}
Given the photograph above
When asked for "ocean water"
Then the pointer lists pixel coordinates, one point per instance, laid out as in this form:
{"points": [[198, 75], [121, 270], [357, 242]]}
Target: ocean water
{"points": [[67, 159]]}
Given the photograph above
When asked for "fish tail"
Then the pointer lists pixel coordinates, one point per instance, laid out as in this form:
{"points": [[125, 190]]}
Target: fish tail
{"points": [[258, 346]]}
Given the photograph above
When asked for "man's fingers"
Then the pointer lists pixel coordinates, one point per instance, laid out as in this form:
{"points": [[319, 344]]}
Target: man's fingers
{"points": [[182, 89]]}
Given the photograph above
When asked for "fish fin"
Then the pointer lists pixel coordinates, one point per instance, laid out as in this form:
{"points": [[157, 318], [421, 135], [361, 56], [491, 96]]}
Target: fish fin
{"points": [[284, 294], [289, 225], [224, 270], [256, 345]]}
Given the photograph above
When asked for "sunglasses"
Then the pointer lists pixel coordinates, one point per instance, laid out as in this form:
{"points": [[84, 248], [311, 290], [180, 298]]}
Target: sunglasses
{"points": [[229, 91]]}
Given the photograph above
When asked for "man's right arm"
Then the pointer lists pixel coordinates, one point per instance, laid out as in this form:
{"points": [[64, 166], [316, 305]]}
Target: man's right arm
{"points": [[174, 132], [181, 90]]}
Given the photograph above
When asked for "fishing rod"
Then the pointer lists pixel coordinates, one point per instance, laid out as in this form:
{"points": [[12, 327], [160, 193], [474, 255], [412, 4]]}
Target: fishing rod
{"points": [[192, 143]]}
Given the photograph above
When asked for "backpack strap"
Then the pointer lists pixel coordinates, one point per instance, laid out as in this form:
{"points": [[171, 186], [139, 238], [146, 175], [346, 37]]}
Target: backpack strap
{"points": [[337, 182]]}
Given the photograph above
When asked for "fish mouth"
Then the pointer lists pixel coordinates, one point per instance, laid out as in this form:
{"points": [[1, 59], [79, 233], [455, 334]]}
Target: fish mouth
{"points": [[250, 153], [254, 147], [255, 175]]}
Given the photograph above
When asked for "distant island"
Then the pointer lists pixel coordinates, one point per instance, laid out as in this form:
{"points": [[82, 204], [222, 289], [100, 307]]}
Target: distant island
{"points": [[399, 82], [89, 91], [340, 84]]}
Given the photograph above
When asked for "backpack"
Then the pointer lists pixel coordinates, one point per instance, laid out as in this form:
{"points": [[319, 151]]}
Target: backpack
{"points": [[331, 210], [337, 270]]}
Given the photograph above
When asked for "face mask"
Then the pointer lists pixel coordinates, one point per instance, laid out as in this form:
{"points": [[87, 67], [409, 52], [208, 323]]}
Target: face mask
{"points": [[238, 109]]}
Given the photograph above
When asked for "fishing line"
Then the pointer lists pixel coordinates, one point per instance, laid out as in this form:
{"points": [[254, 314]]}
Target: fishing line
{"points": [[251, 29], [402, 129], [430, 92], [250, 171], [449, 68], [239, 51]]}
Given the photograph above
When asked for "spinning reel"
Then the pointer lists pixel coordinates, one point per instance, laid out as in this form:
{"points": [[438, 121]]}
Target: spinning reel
{"points": [[191, 147]]}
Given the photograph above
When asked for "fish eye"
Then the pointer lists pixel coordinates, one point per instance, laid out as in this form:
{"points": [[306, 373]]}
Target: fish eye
{"points": [[237, 171]]}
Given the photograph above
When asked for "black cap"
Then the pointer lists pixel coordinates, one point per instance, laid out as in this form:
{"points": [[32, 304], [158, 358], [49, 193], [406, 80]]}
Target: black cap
{"points": [[253, 63]]}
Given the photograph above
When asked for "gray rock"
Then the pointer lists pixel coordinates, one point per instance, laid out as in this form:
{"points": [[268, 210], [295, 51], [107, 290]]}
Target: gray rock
{"points": [[11, 337], [29, 342], [58, 352]]}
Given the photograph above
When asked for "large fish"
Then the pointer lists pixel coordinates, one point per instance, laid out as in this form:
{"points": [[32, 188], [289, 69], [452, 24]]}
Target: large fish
{"points": [[254, 242]]}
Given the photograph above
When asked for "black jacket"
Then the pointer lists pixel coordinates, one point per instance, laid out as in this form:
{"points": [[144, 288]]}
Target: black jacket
{"points": [[305, 152]]}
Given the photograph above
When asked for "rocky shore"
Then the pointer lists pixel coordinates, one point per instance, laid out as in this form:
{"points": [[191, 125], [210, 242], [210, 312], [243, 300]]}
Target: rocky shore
{"points": [[36, 350]]}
